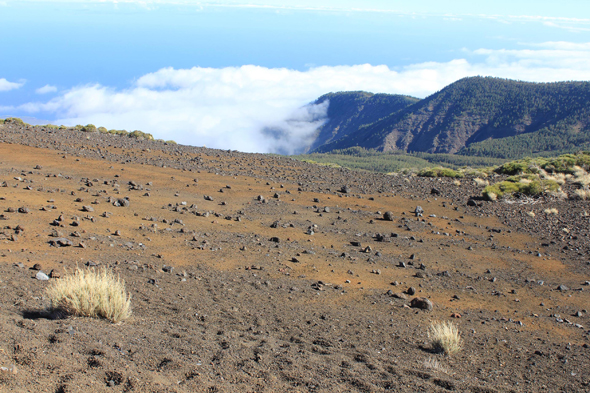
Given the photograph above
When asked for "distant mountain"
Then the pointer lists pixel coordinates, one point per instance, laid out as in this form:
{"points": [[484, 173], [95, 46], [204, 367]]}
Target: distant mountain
{"points": [[350, 111], [473, 116]]}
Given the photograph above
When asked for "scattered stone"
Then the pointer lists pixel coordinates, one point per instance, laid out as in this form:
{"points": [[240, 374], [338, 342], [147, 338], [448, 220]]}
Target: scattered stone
{"points": [[419, 211], [121, 202], [23, 210], [455, 315], [421, 303], [9, 370], [388, 216], [87, 209], [562, 288], [54, 274], [411, 291], [36, 266], [60, 242], [345, 189], [41, 276]]}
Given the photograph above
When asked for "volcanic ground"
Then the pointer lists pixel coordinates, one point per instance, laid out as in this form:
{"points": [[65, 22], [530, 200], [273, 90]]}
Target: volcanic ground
{"points": [[259, 273]]}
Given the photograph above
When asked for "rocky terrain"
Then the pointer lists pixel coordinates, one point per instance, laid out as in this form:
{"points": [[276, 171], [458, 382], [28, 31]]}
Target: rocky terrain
{"points": [[256, 273]]}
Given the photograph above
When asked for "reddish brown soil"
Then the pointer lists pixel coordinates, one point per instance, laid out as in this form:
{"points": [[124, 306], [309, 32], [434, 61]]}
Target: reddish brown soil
{"points": [[237, 314]]}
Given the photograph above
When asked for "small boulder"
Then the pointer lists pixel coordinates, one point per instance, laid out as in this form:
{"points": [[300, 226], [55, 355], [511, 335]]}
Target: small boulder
{"points": [[388, 216], [421, 303]]}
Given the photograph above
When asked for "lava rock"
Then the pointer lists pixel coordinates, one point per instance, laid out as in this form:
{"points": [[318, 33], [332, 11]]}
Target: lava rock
{"points": [[421, 303]]}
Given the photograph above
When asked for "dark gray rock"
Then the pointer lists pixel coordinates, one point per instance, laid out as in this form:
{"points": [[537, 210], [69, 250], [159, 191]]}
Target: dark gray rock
{"points": [[421, 303]]}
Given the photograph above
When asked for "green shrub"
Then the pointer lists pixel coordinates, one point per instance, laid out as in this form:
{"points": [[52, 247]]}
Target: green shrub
{"points": [[141, 135], [15, 120], [1, 121], [78, 127], [102, 130], [89, 128], [62, 127], [523, 186], [118, 132], [440, 172], [562, 164], [171, 142]]}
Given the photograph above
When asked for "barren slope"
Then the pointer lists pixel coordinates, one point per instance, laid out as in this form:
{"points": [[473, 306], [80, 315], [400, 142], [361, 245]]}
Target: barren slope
{"points": [[235, 294]]}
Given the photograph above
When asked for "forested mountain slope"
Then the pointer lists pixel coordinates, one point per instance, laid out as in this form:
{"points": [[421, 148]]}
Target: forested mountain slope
{"points": [[476, 116]]}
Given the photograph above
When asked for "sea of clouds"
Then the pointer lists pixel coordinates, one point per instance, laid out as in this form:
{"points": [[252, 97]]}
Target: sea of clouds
{"points": [[258, 109]]}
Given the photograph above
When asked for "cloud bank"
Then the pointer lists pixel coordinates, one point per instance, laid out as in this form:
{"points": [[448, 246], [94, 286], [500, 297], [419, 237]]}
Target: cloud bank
{"points": [[46, 89], [257, 109], [7, 86]]}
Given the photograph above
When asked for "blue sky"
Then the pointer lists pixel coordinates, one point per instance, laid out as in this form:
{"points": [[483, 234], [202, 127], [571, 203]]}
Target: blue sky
{"points": [[216, 72]]}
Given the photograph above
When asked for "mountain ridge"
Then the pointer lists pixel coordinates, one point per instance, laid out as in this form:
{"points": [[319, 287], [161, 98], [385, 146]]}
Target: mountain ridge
{"points": [[472, 116]]}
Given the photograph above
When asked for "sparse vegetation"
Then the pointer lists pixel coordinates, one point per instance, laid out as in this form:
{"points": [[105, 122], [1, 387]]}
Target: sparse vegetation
{"points": [[89, 128], [551, 211], [15, 120], [582, 194], [445, 337], [141, 135], [91, 293], [102, 130], [566, 163], [388, 162], [516, 185], [440, 172]]}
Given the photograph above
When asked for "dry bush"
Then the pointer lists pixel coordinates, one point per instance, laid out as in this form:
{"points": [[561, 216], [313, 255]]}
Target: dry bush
{"points": [[457, 183], [582, 194], [91, 293], [559, 194], [551, 211], [445, 337], [435, 365], [531, 214], [481, 182]]}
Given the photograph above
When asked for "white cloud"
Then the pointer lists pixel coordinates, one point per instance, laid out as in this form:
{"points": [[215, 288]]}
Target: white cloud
{"points": [[238, 107], [7, 86], [46, 89]]}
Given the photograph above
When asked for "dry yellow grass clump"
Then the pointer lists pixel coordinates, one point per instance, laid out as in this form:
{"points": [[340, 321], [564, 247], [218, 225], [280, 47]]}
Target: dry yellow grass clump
{"points": [[91, 293], [445, 337]]}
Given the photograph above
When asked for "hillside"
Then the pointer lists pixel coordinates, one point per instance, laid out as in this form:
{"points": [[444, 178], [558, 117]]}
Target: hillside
{"points": [[348, 112], [260, 273], [481, 116]]}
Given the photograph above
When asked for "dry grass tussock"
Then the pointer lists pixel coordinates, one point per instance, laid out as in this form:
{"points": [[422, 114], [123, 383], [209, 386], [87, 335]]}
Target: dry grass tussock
{"points": [[435, 365], [445, 337], [551, 211], [91, 293], [582, 194], [481, 182]]}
